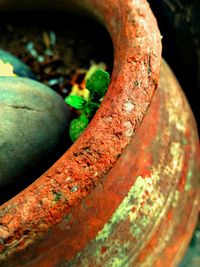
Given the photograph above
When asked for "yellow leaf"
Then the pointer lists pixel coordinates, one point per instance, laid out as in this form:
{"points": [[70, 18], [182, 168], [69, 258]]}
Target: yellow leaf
{"points": [[6, 69], [80, 92]]}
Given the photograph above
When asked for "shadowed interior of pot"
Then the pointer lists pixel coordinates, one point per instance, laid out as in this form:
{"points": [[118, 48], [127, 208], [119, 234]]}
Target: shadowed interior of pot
{"points": [[78, 43]]}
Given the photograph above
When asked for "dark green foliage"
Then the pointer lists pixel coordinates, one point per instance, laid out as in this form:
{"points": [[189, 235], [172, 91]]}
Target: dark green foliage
{"points": [[77, 126], [90, 108], [98, 83]]}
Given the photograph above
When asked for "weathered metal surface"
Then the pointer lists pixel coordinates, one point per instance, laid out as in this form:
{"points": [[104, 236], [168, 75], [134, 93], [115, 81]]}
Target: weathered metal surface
{"points": [[139, 210]]}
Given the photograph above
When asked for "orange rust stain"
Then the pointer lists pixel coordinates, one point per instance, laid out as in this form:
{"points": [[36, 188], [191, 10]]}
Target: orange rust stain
{"points": [[182, 180], [148, 248], [147, 172], [103, 249], [133, 209], [169, 215], [146, 193], [170, 250], [184, 171], [187, 133]]}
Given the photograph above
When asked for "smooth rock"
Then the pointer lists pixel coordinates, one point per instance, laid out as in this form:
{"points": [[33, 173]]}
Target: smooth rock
{"points": [[20, 68], [33, 120]]}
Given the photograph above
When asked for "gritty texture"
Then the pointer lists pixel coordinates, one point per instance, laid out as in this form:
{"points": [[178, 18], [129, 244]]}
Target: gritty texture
{"points": [[137, 46], [144, 210]]}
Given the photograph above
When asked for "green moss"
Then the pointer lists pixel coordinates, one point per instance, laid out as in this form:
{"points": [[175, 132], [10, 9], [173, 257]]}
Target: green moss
{"points": [[184, 141], [57, 196], [188, 181]]}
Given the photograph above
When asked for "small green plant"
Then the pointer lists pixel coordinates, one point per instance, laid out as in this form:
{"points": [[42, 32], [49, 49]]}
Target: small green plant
{"points": [[97, 85], [77, 126], [75, 101]]}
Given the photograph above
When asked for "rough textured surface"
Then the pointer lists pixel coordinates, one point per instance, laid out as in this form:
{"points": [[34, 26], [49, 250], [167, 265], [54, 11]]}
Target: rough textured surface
{"points": [[20, 68], [144, 210], [134, 79], [149, 197], [33, 119]]}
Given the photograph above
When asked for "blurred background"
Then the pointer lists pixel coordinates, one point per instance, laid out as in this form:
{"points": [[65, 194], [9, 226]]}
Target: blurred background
{"points": [[179, 23]]}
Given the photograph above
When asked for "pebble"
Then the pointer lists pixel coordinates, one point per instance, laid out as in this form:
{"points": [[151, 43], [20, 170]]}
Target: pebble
{"points": [[33, 120]]}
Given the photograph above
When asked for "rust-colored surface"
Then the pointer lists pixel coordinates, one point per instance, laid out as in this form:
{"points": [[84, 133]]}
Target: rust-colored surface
{"points": [[143, 212], [138, 210], [136, 69]]}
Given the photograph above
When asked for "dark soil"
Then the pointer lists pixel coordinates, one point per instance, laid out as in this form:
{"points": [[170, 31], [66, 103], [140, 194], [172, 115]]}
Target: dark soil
{"points": [[64, 44], [78, 41]]}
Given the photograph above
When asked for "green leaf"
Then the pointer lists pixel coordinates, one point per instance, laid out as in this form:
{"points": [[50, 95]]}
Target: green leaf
{"points": [[83, 117], [77, 126], [75, 101], [98, 82], [90, 108]]}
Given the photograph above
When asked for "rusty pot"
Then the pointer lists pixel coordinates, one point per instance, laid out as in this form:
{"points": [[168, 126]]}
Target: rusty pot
{"points": [[127, 192]]}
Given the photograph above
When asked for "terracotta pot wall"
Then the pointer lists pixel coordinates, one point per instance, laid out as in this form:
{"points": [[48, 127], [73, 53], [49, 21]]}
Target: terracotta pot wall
{"points": [[112, 209]]}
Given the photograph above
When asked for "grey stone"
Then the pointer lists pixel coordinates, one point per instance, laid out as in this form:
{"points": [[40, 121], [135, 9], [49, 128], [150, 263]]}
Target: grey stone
{"points": [[33, 120]]}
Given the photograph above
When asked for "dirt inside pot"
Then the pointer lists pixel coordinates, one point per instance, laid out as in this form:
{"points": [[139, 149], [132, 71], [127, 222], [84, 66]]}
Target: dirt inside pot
{"points": [[55, 46]]}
